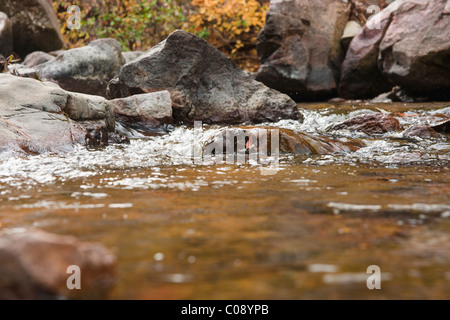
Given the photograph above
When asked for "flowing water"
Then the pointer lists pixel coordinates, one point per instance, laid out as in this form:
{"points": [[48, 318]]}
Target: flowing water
{"points": [[225, 231]]}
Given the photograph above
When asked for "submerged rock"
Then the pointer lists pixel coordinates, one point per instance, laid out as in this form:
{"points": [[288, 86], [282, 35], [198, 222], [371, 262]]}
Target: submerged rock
{"points": [[35, 25], [37, 117], [374, 123], [204, 84], [420, 131], [6, 36], [300, 47], [145, 111], [87, 69], [34, 265], [259, 140]]}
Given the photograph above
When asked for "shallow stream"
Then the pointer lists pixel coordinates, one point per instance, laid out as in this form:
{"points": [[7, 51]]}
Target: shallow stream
{"points": [[190, 231]]}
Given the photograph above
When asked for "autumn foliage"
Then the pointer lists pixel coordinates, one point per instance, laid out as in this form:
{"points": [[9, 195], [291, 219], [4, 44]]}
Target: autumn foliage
{"points": [[230, 25]]}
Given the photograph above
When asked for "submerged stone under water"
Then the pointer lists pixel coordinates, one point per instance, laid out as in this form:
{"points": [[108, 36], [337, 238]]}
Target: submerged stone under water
{"points": [[186, 229]]}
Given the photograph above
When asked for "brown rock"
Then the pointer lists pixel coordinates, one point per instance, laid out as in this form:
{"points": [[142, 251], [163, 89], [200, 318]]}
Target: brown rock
{"points": [[300, 49], [415, 51], [35, 25], [248, 139], [360, 76], [34, 264], [420, 131], [375, 123]]}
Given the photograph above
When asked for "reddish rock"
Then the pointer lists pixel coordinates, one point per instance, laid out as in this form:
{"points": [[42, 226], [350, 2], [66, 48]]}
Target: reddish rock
{"points": [[415, 51], [290, 142], [420, 131], [360, 76], [374, 123], [33, 265], [409, 47]]}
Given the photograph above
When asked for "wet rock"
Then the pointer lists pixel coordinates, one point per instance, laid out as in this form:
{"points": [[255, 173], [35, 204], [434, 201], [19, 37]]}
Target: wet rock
{"points": [[409, 48], [87, 69], [37, 117], [204, 84], [443, 127], [420, 131], [36, 58], [146, 111], [300, 48], [6, 35], [33, 265], [404, 158], [259, 140], [35, 25], [132, 55], [374, 123]]}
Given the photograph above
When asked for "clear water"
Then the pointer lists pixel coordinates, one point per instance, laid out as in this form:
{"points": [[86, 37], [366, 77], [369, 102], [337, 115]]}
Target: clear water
{"points": [[186, 231]]}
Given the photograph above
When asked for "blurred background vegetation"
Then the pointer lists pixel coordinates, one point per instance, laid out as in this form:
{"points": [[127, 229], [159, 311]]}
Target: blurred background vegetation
{"points": [[230, 25]]}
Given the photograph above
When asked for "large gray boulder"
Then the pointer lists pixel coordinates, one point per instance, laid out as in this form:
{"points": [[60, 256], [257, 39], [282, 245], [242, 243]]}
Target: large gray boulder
{"points": [[406, 44], [34, 265], [300, 47], [87, 69], [38, 117], [35, 25], [204, 84], [6, 35]]}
